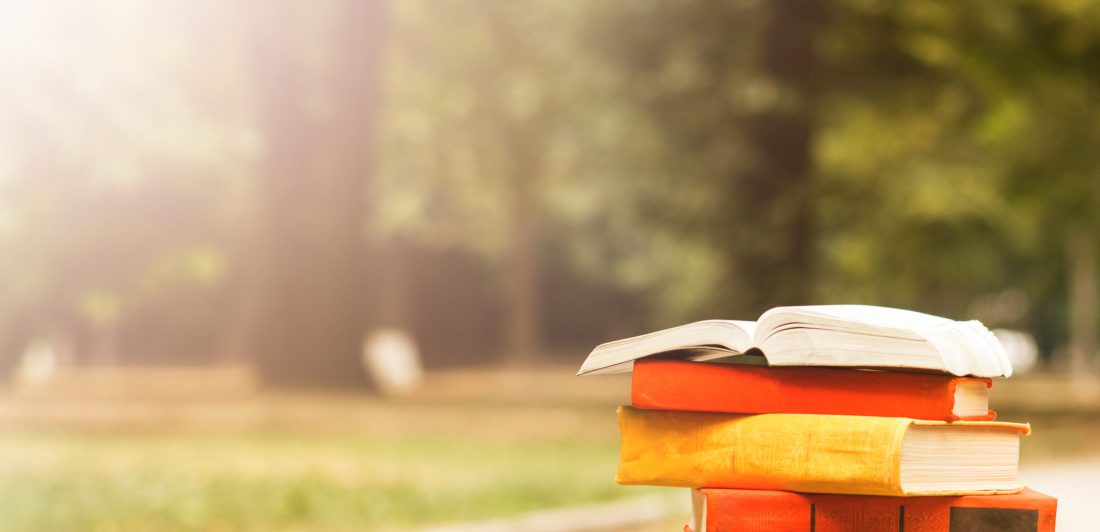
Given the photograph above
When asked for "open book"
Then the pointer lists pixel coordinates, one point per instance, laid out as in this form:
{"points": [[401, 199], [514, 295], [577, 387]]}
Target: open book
{"points": [[822, 335]]}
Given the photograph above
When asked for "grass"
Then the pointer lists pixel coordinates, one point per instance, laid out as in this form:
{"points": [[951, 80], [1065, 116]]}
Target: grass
{"points": [[296, 462], [475, 447], [271, 481]]}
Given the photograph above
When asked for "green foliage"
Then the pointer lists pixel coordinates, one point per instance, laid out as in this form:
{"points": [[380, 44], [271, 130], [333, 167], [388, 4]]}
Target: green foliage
{"points": [[951, 150], [959, 171]]}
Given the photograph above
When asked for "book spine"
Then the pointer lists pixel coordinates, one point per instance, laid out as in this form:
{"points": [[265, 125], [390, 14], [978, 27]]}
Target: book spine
{"points": [[785, 511], [761, 510], [703, 387]]}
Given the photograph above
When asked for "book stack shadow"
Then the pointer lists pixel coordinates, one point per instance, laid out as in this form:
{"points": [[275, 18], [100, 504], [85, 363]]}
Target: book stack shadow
{"points": [[825, 418]]}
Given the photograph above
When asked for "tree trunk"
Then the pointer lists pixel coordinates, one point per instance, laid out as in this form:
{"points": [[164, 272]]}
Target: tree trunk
{"points": [[776, 197], [1083, 309], [312, 264], [392, 291], [525, 141], [523, 266]]}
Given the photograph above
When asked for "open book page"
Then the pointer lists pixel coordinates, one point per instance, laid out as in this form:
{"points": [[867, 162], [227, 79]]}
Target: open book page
{"points": [[748, 326], [703, 340], [865, 317], [698, 511], [961, 342], [966, 348], [717, 352]]}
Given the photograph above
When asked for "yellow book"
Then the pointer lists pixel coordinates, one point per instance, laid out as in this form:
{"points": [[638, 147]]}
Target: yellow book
{"points": [[857, 455]]}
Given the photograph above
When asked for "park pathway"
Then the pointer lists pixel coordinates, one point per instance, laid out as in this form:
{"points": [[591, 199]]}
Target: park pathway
{"points": [[1076, 484]]}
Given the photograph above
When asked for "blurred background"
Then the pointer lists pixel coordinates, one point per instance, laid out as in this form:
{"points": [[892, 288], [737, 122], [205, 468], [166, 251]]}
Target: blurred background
{"points": [[277, 265]]}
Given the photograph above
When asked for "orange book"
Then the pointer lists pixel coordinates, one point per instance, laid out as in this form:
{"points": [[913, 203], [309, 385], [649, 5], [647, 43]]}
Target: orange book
{"points": [[782, 511], [662, 384]]}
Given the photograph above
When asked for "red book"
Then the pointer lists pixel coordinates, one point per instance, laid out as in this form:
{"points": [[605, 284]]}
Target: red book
{"points": [[782, 511], [662, 384]]}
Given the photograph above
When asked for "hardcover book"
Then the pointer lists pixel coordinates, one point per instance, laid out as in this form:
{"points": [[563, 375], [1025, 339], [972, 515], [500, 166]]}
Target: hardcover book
{"points": [[720, 510], [661, 384], [858, 455], [824, 335]]}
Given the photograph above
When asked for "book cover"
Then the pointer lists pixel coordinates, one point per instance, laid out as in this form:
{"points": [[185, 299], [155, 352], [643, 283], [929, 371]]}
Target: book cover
{"points": [[782, 511], [664, 384], [859, 455]]}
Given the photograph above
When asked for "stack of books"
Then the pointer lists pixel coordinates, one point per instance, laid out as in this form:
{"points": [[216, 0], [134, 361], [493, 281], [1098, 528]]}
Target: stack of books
{"points": [[823, 418]]}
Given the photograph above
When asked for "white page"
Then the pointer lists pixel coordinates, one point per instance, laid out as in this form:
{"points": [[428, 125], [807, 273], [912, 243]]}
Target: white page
{"points": [[748, 326], [966, 348], [873, 316]]}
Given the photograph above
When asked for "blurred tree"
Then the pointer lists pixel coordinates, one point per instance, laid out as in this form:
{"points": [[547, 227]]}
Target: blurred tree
{"points": [[732, 87], [318, 101], [1047, 72], [925, 125], [982, 114], [477, 90], [911, 201], [195, 177], [107, 146], [126, 161]]}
